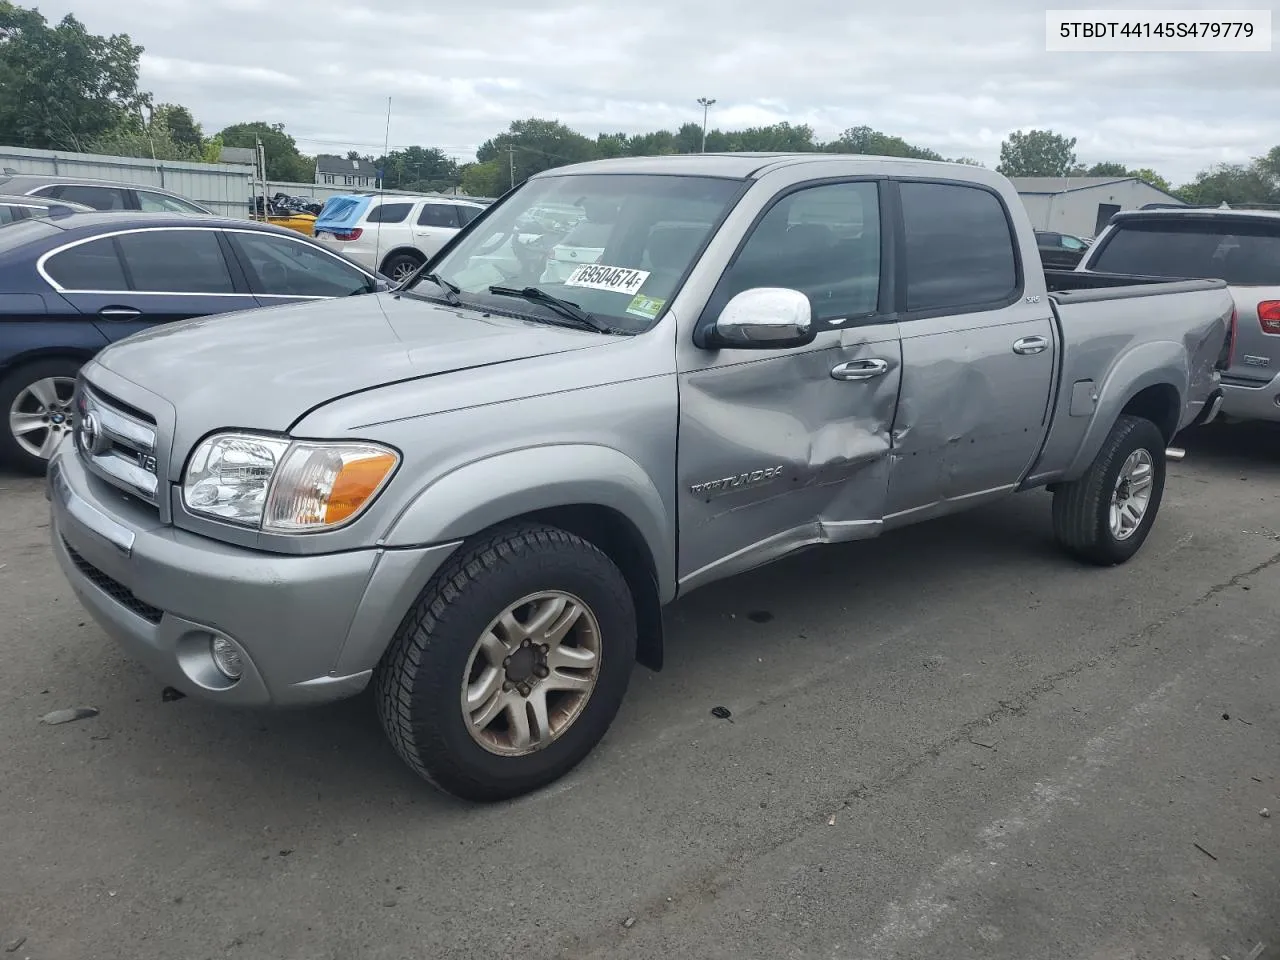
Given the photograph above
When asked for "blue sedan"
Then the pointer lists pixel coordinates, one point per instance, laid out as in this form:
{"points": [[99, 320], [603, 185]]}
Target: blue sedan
{"points": [[73, 283]]}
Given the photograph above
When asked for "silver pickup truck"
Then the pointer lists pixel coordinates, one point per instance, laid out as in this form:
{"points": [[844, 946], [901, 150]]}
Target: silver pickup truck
{"points": [[476, 493]]}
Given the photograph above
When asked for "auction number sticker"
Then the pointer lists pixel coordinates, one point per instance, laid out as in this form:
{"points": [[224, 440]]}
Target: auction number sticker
{"points": [[598, 276]]}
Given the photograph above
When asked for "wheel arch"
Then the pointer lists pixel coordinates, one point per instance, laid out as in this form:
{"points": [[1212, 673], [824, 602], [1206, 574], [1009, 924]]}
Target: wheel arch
{"points": [[595, 492], [1149, 381], [401, 250]]}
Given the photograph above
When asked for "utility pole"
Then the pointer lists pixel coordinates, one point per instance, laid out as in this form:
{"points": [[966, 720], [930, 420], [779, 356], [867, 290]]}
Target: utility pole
{"points": [[511, 155], [707, 103]]}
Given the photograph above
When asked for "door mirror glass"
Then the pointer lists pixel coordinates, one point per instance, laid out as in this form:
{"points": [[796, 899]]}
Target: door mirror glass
{"points": [[764, 318]]}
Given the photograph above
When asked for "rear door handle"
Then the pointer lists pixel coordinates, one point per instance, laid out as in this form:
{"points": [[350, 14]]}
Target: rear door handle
{"points": [[860, 369], [119, 313], [1029, 345]]}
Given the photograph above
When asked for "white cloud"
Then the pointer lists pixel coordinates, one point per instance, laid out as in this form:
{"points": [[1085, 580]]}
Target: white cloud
{"points": [[951, 77]]}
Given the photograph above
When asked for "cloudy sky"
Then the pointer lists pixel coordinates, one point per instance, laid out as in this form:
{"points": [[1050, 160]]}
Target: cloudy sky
{"points": [[954, 77]]}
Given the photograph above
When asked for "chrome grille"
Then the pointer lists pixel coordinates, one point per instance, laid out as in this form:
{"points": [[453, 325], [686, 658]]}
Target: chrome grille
{"points": [[118, 443]]}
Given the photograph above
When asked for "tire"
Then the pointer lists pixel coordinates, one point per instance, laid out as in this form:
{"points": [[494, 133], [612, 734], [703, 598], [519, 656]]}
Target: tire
{"points": [[1082, 520], [419, 684], [23, 393], [406, 263]]}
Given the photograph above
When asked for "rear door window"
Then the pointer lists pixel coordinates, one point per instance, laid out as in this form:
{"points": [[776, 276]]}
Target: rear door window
{"points": [[1244, 252], [176, 261], [438, 215], [92, 266], [959, 247], [467, 214]]}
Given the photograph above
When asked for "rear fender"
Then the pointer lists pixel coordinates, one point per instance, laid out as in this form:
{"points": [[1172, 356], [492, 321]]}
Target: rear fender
{"points": [[1163, 362]]}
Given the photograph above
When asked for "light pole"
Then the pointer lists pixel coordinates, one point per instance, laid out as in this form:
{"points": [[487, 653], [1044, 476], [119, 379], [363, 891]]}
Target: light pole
{"points": [[707, 103]]}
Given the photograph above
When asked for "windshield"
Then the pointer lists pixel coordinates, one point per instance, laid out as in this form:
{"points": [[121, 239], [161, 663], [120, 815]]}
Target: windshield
{"points": [[616, 245], [1239, 252]]}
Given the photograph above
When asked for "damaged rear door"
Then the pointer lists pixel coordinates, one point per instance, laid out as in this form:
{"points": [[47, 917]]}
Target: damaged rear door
{"points": [[979, 351], [783, 448]]}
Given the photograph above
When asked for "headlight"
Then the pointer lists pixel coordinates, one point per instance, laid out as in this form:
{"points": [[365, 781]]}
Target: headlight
{"points": [[284, 486]]}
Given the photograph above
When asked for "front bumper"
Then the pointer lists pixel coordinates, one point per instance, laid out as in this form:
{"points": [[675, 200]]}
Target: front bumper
{"points": [[310, 629], [1252, 403]]}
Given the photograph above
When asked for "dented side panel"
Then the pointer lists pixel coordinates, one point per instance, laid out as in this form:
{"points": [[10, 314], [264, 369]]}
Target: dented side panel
{"points": [[775, 453], [973, 410]]}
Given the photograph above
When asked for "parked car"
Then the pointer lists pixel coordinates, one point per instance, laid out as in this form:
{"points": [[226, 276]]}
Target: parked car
{"points": [[477, 491], [394, 235], [24, 208], [100, 194], [1241, 247], [1060, 251], [73, 284]]}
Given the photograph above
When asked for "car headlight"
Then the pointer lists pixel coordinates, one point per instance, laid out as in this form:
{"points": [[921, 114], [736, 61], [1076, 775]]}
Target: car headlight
{"points": [[284, 486]]}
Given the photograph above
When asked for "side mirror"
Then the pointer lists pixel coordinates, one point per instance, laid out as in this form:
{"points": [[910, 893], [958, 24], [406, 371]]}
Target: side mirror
{"points": [[764, 318]]}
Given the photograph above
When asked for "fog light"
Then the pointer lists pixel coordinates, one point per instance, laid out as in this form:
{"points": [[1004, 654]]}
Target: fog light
{"points": [[226, 657]]}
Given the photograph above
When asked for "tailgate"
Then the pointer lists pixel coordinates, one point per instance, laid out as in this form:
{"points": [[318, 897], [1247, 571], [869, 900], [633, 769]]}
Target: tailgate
{"points": [[1256, 356]]}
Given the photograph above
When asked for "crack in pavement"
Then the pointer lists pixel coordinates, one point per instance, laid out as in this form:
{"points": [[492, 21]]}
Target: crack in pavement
{"points": [[705, 886]]}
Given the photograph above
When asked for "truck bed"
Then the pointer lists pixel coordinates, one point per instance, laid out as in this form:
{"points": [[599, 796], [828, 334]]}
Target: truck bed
{"points": [[1074, 286]]}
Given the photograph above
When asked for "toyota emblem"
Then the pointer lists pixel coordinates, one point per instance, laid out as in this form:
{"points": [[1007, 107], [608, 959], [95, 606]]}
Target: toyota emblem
{"points": [[90, 433]]}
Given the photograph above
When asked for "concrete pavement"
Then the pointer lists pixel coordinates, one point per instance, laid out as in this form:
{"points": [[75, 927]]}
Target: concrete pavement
{"points": [[951, 742]]}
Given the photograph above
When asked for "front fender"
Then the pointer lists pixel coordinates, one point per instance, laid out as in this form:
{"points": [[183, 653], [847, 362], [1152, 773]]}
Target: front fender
{"points": [[1160, 362], [506, 485]]}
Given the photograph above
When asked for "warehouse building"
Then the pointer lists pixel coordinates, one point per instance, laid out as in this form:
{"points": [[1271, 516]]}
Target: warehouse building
{"points": [[1081, 206]]}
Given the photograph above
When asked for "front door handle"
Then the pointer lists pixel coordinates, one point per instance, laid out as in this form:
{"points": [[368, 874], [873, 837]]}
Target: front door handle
{"points": [[119, 313], [1029, 345], [860, 369]]}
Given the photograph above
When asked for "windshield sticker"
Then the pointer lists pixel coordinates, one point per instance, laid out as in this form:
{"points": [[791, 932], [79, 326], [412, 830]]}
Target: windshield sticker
{"points": [[647, 307], [598, 276]]}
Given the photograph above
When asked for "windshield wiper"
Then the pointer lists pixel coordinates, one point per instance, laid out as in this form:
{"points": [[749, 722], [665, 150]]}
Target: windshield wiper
{"points": [[566, 308], [451, 290]]}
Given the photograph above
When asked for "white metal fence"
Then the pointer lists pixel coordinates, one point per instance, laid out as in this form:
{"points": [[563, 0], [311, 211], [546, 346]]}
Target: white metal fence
{"points": [[222, 187], [225, 188]]}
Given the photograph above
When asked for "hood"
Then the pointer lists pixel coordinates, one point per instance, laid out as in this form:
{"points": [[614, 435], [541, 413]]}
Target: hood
{"points": [[262, 369]]}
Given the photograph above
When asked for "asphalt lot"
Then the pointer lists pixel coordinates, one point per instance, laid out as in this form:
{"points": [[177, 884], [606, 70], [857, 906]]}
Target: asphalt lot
{"points": [[951, 742]]}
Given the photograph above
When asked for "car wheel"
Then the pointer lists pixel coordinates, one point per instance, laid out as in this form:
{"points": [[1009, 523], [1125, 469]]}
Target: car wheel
{"points": [[511, 665], [401, 267], [1104, 517], [36, 402]]}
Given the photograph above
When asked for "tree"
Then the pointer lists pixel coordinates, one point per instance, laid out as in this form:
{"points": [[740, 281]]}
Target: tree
{"points": [[1232, 183], [535, 145], [152, 140], [488, 179], [180, 124], [1037, 153], [418, 168], [1151, 177], [775, 138], [284, 162], [63, 87], [968, 161], [1107, 170], [873, 143]]}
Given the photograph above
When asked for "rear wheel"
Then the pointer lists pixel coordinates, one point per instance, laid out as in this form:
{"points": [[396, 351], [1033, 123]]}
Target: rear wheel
{"points": [[512, 664], [1104, 517], [399, 267], [35, 400]]}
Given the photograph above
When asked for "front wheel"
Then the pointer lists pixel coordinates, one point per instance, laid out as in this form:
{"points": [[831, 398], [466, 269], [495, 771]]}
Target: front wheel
{"points": [[511, 665], [1104, 517]]}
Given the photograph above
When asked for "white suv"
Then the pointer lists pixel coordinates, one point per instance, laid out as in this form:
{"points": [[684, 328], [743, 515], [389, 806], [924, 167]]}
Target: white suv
{"points": [[392, 235]]}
